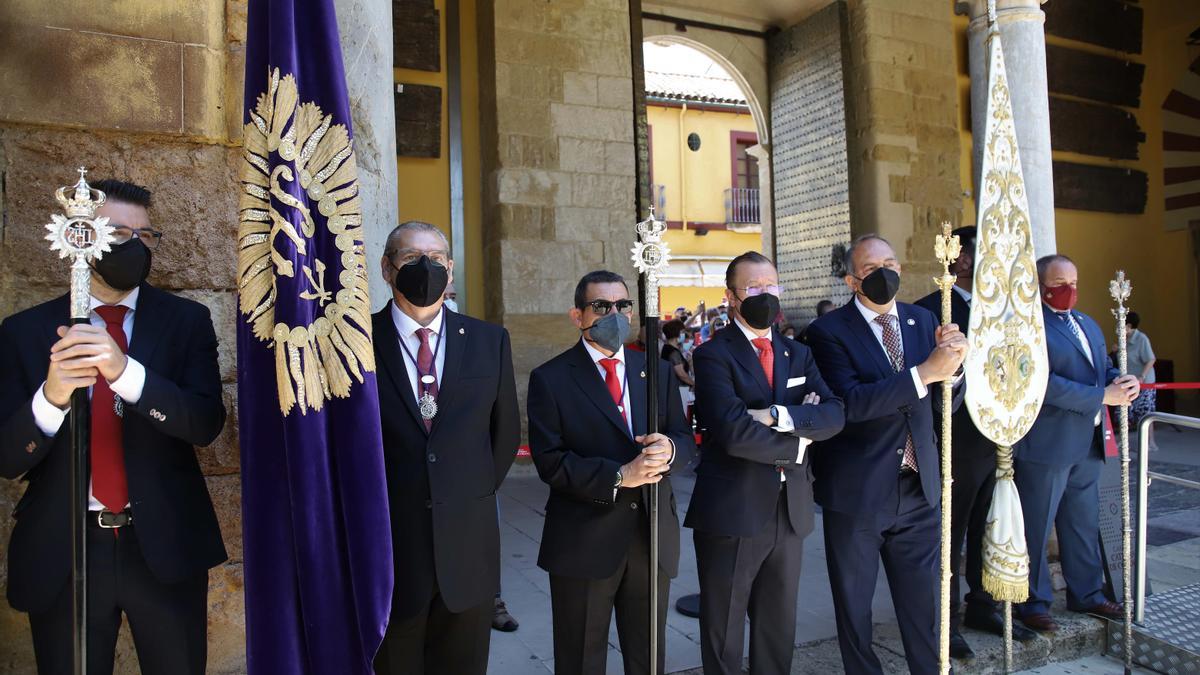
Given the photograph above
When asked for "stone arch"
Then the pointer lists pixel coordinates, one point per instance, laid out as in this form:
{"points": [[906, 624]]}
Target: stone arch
{"points": [[747, 68]]}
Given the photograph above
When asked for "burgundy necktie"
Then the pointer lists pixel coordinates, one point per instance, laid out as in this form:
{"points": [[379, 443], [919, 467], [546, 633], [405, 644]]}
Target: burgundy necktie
{"points": [[766, 357], [426, 366], [614, 386], [891, 342], [108, 452]]}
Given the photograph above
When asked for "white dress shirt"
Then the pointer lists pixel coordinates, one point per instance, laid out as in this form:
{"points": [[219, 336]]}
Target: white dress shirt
{"points": [[619, 355], [406, 330], [965, 295], [1069, 318], [783, 423], [877, 330], [128, 386]]}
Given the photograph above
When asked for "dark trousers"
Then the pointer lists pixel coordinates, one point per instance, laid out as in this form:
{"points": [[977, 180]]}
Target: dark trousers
{"points": [[1067, 498], [974, 483], [437, 641], [583, 609], [759, 576], [905, 537], [169, 622]]}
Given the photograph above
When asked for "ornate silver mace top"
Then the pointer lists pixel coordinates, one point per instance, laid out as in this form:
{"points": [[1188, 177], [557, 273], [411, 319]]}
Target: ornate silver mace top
{"points": [[81, 236], [650, 257]]}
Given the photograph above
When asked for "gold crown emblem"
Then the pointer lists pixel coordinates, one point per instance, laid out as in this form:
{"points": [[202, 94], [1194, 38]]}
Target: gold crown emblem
{"points": [[83, 202]]}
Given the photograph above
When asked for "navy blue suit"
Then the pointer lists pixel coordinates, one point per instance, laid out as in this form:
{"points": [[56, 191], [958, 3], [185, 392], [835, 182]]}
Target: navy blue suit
{"points": [[1058, 466], [749, 525], [872, 509]]}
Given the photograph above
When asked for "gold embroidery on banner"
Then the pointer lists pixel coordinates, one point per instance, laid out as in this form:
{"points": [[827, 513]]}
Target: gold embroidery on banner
{"points": [[316, 361]]}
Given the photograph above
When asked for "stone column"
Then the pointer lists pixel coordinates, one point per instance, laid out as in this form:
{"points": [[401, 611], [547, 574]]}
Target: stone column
{"points": [[365, 29], [762, 153], [1024, 39]]}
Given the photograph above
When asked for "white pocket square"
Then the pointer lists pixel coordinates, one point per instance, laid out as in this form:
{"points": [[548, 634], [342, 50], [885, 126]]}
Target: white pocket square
{"points": [[795, 381]]}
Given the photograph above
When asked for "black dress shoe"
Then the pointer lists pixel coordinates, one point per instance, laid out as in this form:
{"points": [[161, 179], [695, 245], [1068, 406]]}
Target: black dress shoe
{"points": [[993, 623], [959, 648]]}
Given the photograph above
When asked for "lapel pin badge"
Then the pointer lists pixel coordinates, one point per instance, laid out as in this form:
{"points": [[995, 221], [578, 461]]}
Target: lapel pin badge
{"points": [[911, 322], [643, 374], [785, 352], [462, 331]]}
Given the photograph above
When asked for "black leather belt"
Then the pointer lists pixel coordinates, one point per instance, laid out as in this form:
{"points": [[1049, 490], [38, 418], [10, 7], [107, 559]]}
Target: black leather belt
{"points": [[110, 521]]}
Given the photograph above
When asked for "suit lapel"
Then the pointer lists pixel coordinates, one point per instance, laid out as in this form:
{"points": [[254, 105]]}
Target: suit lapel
{"points": [[635, 369], [866, 337], [589, 380], [960, 311], [746, 355], [149, 324], [387, 345], [910, 335], [57, 314], [455, 345], [1095, 340], [783, 356], [1052, 319]]}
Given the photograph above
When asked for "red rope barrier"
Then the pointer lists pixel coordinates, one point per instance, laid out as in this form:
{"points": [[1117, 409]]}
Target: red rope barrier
{"points": [[1171, 385]]}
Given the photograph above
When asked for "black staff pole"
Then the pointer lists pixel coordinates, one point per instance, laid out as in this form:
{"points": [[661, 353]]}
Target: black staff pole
{"points": [[83, 237]]}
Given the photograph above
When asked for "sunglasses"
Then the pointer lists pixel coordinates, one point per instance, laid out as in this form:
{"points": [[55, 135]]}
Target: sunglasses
{"points": [[603, 307]]}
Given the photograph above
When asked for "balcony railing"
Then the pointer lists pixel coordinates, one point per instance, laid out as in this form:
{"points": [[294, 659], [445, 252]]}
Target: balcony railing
{"points": [[741, 206]]}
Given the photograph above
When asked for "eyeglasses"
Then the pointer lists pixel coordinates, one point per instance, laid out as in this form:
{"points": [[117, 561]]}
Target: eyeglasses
{"points": [[603, 307], [752, 291], [123, 234], [408, 256]]}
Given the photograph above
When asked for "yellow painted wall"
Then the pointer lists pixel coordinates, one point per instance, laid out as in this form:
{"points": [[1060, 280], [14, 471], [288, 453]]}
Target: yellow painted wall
{"points": [[1160, 264], [423, 184], [708, 174], [708, 170]]}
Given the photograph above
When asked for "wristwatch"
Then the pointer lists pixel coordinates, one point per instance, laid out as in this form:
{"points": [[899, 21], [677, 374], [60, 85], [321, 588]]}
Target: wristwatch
{"points": [[619, 480], [775, 413]]}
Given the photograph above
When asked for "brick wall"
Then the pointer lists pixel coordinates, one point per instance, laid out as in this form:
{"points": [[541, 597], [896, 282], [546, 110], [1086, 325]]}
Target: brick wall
{"points": [[904, 150], [558, 162]]}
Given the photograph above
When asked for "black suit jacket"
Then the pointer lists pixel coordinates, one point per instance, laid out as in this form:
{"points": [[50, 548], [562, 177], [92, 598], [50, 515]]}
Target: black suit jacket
{"points": [[737, 481], [176, 525], [856, 471], [442, 483], [969, 444], [579, 441]]}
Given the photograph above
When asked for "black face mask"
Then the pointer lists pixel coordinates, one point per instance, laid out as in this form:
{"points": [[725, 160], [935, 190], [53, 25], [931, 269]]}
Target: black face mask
{"points": [[881, 285], [125, 266], [760, 311], [422, 282]]}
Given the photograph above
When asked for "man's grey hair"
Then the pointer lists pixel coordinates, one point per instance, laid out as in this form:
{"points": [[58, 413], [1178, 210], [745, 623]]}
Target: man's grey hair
{"points": [[848, 256], [412, 226]]}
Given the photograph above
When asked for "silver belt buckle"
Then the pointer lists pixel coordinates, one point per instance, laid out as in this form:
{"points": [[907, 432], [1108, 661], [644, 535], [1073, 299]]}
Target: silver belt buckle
{"points": [[115, 516]]}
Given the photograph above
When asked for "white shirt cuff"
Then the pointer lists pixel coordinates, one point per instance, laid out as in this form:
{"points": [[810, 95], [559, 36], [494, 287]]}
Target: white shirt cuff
{"points": [[131, 382], [46, 415], [784, 423], [804, 442], [922, 390]]}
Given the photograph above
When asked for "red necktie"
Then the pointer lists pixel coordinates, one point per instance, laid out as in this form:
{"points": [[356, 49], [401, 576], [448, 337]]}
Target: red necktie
{"points": [[108, 451], [766, 356], [614, 385], [426, 366]]}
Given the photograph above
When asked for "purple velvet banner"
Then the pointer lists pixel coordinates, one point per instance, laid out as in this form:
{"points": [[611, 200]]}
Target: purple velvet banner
{"points": [[317, 543]]}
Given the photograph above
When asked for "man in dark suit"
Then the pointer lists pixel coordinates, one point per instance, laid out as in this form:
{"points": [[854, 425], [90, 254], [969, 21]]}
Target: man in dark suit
{"points": [[974, 470], [587, 433], [878, 481], [150, 359], [1058, 462], [761, 401], [450, 432]]}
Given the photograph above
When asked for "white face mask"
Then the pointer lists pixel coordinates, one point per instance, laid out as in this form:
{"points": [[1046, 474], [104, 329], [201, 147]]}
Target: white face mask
{"points": [[451, 305]]}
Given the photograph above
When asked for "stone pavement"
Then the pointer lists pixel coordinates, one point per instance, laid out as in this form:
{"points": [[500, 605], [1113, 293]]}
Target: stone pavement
{"points": [[1174, 554]]}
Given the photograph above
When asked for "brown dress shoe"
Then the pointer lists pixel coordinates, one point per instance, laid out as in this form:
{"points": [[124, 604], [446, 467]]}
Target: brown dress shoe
{"points": [[1107, 610], [1042, 623], [501, 619]]}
